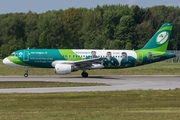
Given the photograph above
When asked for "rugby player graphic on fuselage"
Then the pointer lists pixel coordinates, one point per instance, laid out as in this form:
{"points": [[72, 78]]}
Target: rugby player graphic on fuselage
{"points": [[110, 61], [148, 59], [128, 61], [93, 55]]}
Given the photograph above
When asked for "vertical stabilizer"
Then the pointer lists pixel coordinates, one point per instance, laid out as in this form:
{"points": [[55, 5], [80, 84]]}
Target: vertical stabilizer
{"points": [[159, 41]]}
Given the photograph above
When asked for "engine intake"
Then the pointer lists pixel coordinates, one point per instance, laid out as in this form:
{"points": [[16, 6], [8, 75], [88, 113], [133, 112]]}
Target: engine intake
{"points": [[63, 69]]}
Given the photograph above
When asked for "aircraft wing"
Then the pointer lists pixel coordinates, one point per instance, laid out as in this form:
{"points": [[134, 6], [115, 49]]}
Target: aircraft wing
{"points": [[86, 62], [81, 63]]}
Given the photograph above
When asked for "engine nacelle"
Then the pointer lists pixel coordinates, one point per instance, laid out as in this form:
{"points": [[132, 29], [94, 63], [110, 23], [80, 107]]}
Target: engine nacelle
{"points": [[63, 69]]}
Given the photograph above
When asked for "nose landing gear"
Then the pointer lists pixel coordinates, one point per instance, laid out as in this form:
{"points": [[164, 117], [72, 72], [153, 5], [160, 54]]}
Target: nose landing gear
{"points": [[26, 74]]}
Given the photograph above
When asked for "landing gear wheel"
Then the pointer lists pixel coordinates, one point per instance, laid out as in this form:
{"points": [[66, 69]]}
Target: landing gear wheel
{"points": [[84, 74], [25, 75]]}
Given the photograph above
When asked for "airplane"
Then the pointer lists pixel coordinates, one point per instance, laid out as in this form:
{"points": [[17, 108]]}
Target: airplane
{"points": [[65, 61]]}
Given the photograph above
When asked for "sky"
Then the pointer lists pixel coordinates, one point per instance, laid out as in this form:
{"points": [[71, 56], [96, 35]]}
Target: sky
{"points": [[40, 6]]}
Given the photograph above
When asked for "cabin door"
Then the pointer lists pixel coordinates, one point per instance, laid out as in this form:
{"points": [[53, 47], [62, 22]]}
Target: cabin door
{"points": [[26, 56], [140, 56]]}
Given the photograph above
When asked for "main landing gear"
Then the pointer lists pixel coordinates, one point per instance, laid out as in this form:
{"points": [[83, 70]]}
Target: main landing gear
{"points": [[26, 74], [84, 74]]}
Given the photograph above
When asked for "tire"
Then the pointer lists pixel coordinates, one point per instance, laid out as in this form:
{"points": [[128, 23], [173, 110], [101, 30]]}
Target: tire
{"points": [[25, 75], [84, 74]]}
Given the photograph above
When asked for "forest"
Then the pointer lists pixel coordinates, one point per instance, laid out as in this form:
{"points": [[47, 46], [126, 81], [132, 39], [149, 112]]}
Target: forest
{"points": [[102, 27]]}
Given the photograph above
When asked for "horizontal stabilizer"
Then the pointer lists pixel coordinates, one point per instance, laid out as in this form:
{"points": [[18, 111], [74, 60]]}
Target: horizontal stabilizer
{"points": [[158, 56]]}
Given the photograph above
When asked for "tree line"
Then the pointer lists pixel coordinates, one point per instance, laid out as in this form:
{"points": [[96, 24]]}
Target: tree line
{"points": [[107, 26]]}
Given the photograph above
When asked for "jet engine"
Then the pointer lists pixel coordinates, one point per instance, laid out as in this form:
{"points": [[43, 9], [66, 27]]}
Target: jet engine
{"points": [[63, 69]]}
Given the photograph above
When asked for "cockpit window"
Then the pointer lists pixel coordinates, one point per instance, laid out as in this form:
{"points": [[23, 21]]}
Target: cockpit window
{"points": [[13, 55]]}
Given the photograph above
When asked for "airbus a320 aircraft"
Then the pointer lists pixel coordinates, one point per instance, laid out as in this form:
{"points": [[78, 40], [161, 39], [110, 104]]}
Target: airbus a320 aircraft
{"points": [[65, 61]]}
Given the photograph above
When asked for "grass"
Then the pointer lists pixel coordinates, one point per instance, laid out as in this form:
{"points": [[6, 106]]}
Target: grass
{"points": [[44, 84], [114, 105], [160, 68], [126, 105]]}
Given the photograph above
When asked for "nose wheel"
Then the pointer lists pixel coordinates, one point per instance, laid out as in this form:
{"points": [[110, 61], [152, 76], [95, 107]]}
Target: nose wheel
{"points": [[84, 74], [26, 74]]}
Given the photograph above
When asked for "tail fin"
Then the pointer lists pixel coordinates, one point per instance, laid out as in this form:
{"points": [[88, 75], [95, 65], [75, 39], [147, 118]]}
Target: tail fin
{"points": [[159, 41]]}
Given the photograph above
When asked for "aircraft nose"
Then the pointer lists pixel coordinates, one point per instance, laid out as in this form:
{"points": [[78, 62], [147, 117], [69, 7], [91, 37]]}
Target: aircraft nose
{"points": [[7, 61]]}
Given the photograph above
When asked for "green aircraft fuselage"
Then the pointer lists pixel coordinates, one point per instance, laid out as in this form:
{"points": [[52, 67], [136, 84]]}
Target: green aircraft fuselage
{"points": [[68, 60]]}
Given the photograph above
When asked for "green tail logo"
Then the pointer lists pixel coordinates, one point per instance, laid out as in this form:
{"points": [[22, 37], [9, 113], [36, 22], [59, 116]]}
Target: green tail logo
{"points": [[162, 37], [159, 41]]}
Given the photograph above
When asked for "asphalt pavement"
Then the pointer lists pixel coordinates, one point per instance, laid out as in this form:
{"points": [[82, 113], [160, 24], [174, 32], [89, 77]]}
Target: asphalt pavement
{"points": [[117, 83]]}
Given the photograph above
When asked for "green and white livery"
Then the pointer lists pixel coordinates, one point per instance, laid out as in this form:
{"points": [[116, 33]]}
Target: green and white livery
{"points": [[65, 61]]}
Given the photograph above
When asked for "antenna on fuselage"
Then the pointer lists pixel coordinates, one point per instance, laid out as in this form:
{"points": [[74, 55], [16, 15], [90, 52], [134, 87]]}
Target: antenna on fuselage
{"points": [[28, 48]]}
